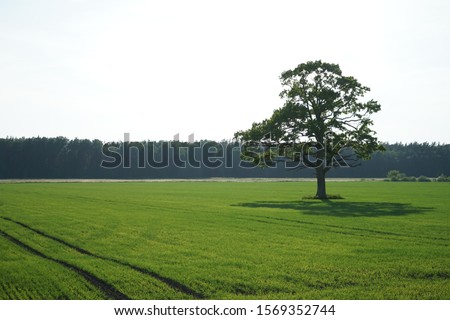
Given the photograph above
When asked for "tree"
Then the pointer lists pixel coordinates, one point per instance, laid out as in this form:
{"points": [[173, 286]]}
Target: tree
{"points": [[322, 124], [395, 175]]}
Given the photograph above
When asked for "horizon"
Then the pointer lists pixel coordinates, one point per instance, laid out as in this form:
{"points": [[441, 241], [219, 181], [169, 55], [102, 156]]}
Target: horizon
{"points": [[198, 140]]}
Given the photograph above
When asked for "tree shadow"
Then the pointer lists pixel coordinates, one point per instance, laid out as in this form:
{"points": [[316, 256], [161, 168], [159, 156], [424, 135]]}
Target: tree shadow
{"points": [[341, 208]]}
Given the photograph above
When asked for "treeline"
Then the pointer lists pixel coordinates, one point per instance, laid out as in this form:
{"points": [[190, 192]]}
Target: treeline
{"points": [[38, 158]]}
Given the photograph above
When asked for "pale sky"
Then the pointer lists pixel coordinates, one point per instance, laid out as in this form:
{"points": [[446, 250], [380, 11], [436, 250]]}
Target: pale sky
{"points": [[99, 68]]}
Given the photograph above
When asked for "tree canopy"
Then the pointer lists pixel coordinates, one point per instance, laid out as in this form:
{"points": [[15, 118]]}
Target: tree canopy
{"points": [[324, 122]]}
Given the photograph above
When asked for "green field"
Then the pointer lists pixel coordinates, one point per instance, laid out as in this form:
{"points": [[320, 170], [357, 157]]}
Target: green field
{"points": [[224, 240]]}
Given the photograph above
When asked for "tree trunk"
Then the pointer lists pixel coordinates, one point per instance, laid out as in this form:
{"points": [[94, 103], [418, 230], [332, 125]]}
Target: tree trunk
{"points": [[321, 188]]}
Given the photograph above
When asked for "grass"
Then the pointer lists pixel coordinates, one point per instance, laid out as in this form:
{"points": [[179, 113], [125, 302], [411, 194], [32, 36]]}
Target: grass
{"points": [[329, 197], [224, 240]]}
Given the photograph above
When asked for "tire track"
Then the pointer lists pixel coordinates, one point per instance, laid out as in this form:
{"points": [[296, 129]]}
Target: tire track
{"points": [[109, 290], [347, 230], [178, 286]]}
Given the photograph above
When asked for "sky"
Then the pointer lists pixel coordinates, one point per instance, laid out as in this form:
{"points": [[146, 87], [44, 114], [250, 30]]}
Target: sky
{"points": [[100, 68]]}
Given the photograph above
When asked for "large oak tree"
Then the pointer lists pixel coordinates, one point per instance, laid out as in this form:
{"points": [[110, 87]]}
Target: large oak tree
{"points": [[324, 123]]}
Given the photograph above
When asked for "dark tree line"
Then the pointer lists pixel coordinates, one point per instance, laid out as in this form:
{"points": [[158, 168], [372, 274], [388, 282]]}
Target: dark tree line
{"points": [[38, 158]]}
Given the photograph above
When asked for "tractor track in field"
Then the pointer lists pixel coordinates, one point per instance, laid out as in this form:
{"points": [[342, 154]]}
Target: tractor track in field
{"points": [[178, 286], [345, 230], [109, 290]]}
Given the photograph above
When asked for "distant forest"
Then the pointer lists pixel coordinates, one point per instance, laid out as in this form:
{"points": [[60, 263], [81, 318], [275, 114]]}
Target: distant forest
{"points": [[61, 158]]}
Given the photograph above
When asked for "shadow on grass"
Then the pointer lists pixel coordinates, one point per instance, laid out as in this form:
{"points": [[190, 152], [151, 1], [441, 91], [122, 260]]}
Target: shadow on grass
{"points": [[342, 208]]}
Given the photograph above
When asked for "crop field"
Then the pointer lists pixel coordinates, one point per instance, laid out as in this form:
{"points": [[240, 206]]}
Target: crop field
{"points": [[224, 240]]}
